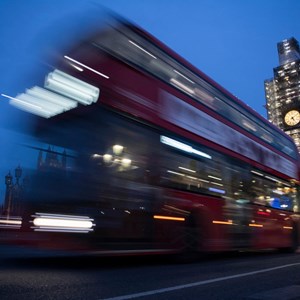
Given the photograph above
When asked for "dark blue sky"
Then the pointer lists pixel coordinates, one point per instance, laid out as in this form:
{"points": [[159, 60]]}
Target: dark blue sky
{"points": [[232, 41]]}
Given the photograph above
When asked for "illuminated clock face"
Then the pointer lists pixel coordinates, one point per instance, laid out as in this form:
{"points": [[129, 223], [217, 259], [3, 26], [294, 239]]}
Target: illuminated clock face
{"points": [[292, 117]]}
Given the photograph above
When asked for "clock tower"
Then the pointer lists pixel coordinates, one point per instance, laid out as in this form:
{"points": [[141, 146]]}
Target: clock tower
{"points": [[283, 90], [292, 118]]}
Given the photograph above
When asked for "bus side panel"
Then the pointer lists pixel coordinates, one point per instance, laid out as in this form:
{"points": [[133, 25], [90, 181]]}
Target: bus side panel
{"points": [[207, 215]]}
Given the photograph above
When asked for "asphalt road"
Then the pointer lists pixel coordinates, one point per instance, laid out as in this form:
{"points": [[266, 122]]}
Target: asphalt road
{"points": [[246, 276]]}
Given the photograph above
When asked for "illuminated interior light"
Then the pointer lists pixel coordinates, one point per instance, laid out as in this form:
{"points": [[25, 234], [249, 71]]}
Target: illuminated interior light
{"points": [[206, 181], [204, 95], [191, 177], [175, 144], [182, 86], [118, 149], [284, 206], [278, 192], [249, 125], [273, 179], [216, 190], [176, 173], [229, 222], [86, 67], [107, 158], [257, 173], [181, 146], [139, 47], [200, 153], [267, 138], [168, 218], [216, 183], [287, 227], [191, 81], [242, 201], [213, 177], [186, 169], [71, 87], [126, 162]]}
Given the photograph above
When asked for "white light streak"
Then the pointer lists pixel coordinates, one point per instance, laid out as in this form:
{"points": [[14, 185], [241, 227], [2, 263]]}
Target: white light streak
{"points": [[186, 169], [76, 67], [213, 177], [175, 173], [139, 47], [216, 190], [181, 146], [216, 183], [86, 67], [257, 173], [62, 223], [10, 222], [191, 81], [182, 86]]}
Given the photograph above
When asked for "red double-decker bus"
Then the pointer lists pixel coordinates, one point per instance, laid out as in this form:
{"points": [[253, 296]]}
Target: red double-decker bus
{"points": [[149, 155]]}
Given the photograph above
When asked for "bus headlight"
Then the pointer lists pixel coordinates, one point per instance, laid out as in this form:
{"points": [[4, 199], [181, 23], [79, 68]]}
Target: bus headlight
{"points": [[62, 223]]}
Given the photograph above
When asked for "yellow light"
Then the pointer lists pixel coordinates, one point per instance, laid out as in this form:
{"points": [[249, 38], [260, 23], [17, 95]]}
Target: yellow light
{"points": [[229, 222], [107, 158], [117, 149], [126, 162], [255, 225], [288, 227], [160, 217]]}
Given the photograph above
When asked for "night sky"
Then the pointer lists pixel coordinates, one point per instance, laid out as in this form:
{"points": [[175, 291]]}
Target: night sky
{"points": [[232, 41]]}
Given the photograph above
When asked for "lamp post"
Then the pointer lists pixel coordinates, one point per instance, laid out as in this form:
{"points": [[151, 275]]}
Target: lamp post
{"points": [[18, 174], [7, 202]]}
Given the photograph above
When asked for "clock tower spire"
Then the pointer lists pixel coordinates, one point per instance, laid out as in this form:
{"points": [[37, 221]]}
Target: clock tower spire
{"points": [[283, 90]]}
